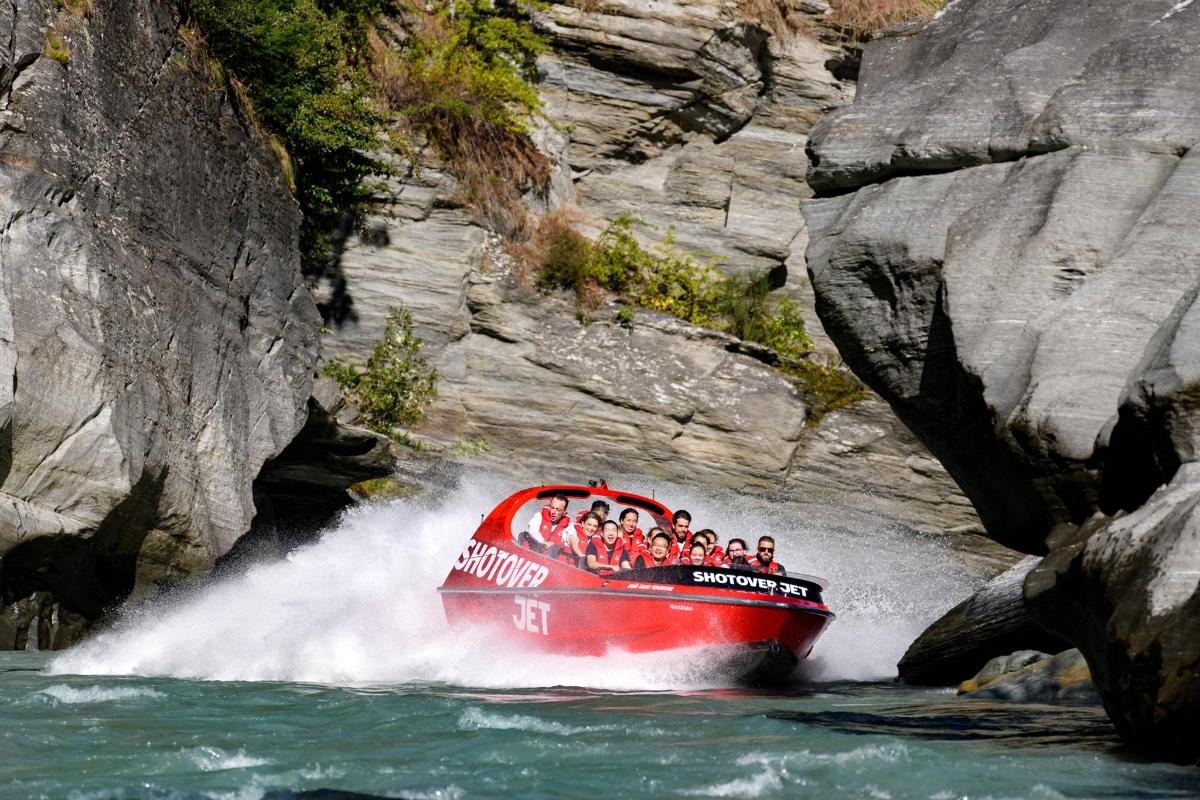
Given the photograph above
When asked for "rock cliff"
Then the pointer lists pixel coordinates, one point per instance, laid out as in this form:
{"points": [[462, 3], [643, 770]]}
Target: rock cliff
{"points": [[685, 114], [1004, 249], [156, 339]]}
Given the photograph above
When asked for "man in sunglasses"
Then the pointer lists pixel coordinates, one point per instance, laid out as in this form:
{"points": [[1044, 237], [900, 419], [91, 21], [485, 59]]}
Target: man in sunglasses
{"points": [[764, 560]]}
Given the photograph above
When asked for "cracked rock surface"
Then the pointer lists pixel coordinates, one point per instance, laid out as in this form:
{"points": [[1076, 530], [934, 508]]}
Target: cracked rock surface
{"points": [[156, 340], [684, 114], [1004, 247]]}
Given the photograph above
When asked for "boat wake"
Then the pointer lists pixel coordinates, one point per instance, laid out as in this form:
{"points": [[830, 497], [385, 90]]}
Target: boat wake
{"points": [[360, 606]]}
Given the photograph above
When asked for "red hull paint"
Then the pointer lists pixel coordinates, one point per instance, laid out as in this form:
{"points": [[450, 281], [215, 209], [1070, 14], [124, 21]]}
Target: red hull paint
{"points": [[557, 608]]}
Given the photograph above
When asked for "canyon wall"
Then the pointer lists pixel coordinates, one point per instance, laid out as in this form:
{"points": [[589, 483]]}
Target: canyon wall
{"points": [[1004, 247], [156, 339], [692, 117]]}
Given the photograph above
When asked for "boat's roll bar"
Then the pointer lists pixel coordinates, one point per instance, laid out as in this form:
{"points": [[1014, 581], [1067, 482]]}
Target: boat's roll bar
{"points": [[622, 499], [729, 578]]}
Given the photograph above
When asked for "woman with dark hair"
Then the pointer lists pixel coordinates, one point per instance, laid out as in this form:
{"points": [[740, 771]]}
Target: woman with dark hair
{"points": [[631, 534], [713, 550], [578, 539], [735, 556]]}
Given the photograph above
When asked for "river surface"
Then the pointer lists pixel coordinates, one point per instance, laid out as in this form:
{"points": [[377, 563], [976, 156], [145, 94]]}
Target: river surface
{"points": [[333, 670]]}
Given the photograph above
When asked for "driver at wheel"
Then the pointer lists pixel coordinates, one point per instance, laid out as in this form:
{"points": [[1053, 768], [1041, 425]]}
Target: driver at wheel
{"points": [[765, 561]]}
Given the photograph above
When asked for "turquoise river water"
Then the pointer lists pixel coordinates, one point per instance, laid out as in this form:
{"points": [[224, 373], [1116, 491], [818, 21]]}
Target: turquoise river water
{"points": [[333, 670]]}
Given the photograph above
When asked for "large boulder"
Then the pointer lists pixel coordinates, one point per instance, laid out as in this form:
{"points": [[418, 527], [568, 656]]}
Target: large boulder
{"points": [[1005, 250], [1126, 591], [156, 339], [987, 625]]}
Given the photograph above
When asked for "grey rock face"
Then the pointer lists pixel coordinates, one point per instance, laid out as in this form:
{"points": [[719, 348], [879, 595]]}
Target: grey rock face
{"points": [[1006, 252], [156, 341], [688, 115], [1126, 591]]}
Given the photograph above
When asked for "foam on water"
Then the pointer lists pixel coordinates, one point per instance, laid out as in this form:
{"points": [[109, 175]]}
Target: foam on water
{"points": [[360, 605], [755, 785], [68, 695], [475, 719], [214, 759]]}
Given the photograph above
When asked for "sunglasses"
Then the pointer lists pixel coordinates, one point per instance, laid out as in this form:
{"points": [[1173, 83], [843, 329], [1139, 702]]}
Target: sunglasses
{"points": [[766, 549]]}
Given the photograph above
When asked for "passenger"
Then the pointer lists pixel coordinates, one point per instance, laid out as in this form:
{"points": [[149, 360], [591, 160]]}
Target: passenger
{"points": [[578, 539], [765, 560], [658, 555], [697, 556], [735, 556], [715, 553], [630, 532], [680, 524], [644, 548], [599, 508], [547, 527], [606, 553]]}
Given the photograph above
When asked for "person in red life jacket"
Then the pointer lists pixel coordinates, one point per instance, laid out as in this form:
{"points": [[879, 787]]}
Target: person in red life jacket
{"points": [[765, 560], [658, 555], [644, 547], [735, 556], [681, 524], [696, 556], [547, 527], [631, 534], [715, 553], [577, 540], [606, 553], [599, 508]]}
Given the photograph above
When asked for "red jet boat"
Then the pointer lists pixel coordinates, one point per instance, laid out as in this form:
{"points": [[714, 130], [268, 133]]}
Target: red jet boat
{"points": [[755, 626]]}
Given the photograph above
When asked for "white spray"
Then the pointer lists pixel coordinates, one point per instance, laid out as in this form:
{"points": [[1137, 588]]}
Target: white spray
{"points": [[360, 606]]}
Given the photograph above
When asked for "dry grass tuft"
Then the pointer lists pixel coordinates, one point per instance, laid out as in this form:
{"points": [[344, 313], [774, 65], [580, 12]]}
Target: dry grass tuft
{"points": [[862, 18], [456, 107]]}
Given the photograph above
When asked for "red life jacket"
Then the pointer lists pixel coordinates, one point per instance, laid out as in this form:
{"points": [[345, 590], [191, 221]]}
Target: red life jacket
{"points": [[646, 560], [565, 554], [608, 560], [552, 533], [757, 566], [676, 549], [717, 555], [634, 541]]}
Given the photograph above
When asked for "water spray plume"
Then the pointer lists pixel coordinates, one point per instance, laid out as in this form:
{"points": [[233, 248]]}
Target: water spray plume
{"points": [[360, 606]]}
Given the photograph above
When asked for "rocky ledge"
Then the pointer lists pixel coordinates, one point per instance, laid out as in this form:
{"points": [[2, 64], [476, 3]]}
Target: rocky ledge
{"points": [[1004, 249]]}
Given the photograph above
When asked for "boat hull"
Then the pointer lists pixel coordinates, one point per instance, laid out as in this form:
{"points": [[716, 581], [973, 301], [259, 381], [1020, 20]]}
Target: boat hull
{"points": [[748, 639]]}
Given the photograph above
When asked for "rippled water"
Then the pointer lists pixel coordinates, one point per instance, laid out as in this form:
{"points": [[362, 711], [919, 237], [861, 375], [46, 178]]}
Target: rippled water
{"points": [[334, 669], [88, 737]]}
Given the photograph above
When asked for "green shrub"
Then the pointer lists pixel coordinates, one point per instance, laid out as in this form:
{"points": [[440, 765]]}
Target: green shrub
{"points": [[302, 65], [667, 279], [56, 46], [397, 385], [825, 387]]}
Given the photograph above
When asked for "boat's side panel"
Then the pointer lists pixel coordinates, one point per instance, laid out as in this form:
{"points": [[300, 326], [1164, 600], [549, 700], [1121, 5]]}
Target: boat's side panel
{"points": [[581, 622]]}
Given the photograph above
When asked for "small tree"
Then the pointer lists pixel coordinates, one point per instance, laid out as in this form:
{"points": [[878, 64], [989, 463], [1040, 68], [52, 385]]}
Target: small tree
{"points": [[397, 384]]}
